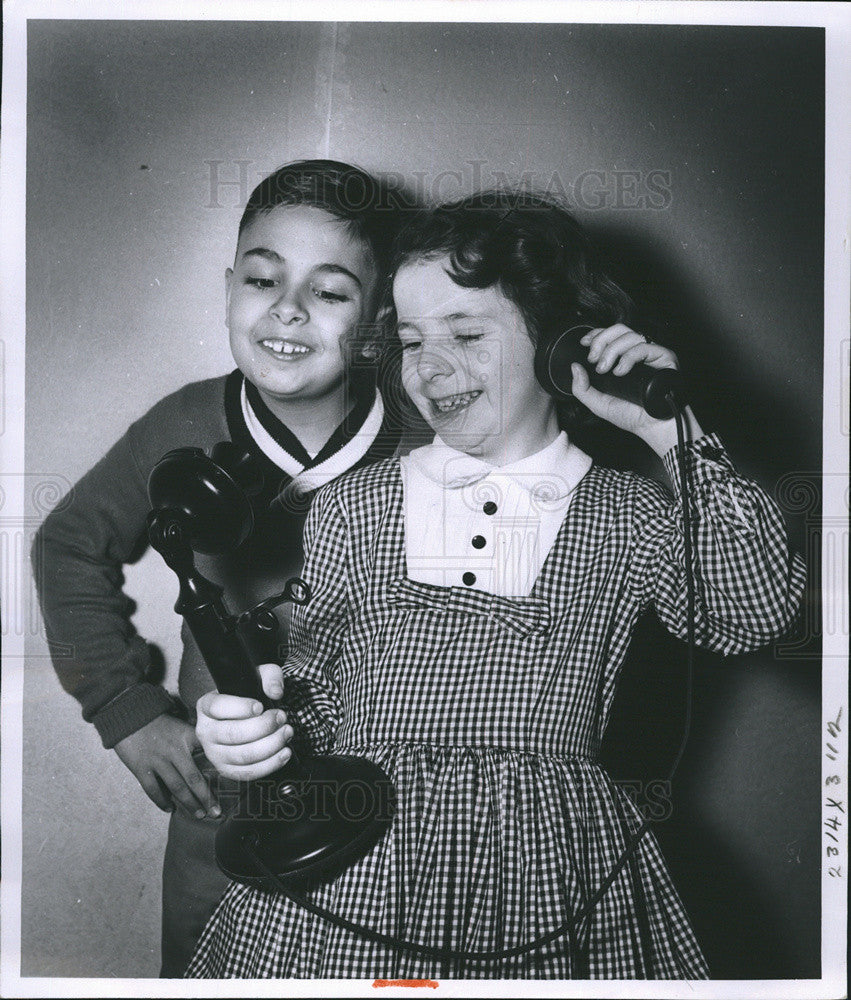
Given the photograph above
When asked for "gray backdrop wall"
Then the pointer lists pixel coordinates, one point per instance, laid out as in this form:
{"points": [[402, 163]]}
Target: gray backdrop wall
{"points": [[694, 154]]}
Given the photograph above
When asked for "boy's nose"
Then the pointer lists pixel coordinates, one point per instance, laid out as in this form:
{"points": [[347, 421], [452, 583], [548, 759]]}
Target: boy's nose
{"points": [[287, 308]]}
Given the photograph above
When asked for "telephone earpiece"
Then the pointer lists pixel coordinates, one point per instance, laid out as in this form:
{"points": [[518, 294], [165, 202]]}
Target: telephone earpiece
{"points": [[646, 386], [554, 356]]}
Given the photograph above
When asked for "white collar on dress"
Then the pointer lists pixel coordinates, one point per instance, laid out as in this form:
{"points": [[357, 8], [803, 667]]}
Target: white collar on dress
{"points": [[551, 473]]}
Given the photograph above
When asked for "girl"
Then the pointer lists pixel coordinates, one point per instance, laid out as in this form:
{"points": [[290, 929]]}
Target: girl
{"points": [[472, 605]]}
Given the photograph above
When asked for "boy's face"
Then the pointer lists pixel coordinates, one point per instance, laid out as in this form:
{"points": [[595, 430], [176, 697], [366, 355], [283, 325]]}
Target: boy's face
{"points": [[468, 365], [299, 286]]}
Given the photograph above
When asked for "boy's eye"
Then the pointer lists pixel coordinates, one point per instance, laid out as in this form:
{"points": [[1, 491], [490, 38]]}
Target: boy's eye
{"points": [[258, 282], [411, 345], [469, 337]]}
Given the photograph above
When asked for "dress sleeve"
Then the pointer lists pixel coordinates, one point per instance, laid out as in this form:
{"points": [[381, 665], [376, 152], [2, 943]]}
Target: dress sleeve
{"points": [[748, 585], [318, 629]]}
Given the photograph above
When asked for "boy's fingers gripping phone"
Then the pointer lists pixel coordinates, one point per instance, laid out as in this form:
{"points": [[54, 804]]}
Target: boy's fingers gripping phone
{"points": [[160, 757], [196, 781]]}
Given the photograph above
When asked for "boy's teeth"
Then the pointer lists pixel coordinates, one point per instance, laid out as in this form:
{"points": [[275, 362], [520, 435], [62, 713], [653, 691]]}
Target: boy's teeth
{"points": [[455, 402], [284, 347]]}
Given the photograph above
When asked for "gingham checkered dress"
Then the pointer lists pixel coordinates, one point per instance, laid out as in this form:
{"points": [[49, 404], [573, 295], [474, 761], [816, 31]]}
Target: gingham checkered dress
{"points": [[487, 713]]}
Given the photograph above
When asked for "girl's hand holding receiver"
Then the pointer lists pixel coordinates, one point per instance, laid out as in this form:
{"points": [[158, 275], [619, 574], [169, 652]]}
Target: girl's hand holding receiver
{"points": [[241, 740], [617, 349]]}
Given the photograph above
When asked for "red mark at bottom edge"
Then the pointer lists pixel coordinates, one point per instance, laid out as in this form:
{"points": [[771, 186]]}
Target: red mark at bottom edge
{"points": [[432, 984]]}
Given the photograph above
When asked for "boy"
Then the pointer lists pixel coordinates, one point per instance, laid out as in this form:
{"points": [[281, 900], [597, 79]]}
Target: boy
{"points": [[313, 244]]}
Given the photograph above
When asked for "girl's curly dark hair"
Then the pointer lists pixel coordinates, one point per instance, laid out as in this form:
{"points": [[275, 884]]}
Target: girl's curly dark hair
{"points": [[529, 246]]}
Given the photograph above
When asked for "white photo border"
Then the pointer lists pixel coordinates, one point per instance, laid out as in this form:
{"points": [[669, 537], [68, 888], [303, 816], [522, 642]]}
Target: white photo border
{"points": [[836, 19]]}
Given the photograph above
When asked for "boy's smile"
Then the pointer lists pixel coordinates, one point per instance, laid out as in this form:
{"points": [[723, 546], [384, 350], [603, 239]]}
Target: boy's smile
{"points": [[285, 348], [467, 364], [300, 284]]}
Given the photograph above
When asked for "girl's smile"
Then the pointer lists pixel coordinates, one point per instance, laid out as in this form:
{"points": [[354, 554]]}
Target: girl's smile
{"points": [[456, 403], [467, 365]]}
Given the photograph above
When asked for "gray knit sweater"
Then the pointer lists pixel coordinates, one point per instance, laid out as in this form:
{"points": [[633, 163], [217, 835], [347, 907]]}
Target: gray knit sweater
{"points": [[99, 527]]}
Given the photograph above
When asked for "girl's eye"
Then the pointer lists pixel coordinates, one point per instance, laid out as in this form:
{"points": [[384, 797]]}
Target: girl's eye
{"points": [[468, 337], [328, 296], [411, 345]]}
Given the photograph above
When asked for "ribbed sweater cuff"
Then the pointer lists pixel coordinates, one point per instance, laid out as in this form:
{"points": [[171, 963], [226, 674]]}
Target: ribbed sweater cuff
{"points": [[129, 711]]}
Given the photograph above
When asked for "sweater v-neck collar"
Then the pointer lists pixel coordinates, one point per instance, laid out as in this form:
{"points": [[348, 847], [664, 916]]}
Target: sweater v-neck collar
{"points": [[363, 436]]}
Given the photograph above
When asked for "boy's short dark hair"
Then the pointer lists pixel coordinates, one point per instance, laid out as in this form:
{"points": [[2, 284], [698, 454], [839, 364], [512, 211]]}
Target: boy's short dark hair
{"points": [[370, 208]]}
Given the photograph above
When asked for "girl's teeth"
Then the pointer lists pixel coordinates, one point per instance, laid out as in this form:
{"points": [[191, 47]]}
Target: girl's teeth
{"points": [[455, 402], [280, 347]]}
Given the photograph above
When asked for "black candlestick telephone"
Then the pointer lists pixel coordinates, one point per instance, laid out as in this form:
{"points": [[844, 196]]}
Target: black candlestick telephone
{"points": [[315, 816]]}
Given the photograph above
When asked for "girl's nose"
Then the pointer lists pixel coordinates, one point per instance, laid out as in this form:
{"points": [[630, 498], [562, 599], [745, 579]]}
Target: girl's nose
{"points": [[433, 362], [287, 308]]}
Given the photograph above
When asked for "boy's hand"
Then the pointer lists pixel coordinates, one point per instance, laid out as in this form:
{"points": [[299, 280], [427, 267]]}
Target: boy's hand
{"points": [[617, 349], [241, 740], [160, 756]]}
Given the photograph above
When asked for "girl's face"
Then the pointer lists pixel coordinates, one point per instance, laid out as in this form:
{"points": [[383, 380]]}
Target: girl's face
{"points": [[299, 286], [468, 365]]}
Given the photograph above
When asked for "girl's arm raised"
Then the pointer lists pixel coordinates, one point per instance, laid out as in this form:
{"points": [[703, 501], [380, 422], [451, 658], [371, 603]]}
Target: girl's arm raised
{"points": [[748, 583], [617, 349]]}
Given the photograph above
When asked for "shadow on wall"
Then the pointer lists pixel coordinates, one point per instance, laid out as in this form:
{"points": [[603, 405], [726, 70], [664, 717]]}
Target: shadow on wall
{"points": [[752, 414], [749, 926], [752, 922]]}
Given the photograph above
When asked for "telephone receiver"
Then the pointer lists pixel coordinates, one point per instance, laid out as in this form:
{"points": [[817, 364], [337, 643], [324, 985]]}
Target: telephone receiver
{"points": [[315, 816], [658, 390]]}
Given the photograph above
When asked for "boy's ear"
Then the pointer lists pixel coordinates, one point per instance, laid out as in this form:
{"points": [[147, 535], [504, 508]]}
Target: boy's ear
{"points": [[370, 350], [228, 281], [383, 314]]}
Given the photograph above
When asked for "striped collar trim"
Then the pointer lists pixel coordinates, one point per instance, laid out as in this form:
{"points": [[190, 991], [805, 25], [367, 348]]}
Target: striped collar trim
{"points": [[306, 476]]}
